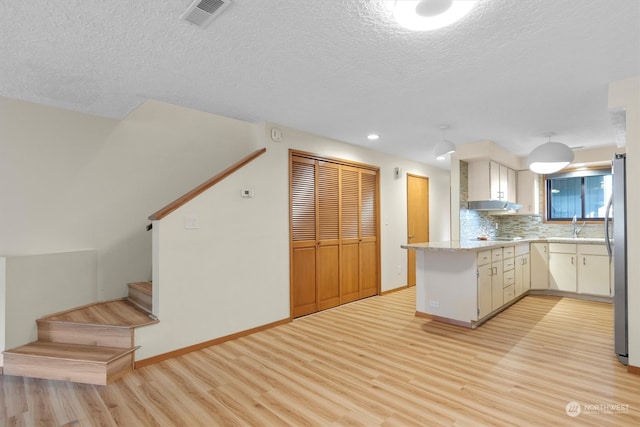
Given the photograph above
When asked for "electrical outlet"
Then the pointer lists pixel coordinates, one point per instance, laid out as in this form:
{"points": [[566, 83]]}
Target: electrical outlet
{"points": [[434, 304]]}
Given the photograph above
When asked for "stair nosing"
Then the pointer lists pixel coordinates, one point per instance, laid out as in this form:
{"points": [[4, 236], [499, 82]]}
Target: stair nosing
{"points": [[70, 322], [97, 362]]}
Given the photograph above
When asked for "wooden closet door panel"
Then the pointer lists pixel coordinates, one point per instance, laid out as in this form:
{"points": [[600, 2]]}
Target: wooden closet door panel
{"points": [[368, 234], [303, 281], [303, 236], [328, 271], [349, 204], [328, 274], [349, 272], [368, 205], [303, 200], [349, 234], [368, 269]]}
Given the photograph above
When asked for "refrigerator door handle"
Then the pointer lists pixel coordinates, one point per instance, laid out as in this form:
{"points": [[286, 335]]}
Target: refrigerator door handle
{"points": [[607, 238]]}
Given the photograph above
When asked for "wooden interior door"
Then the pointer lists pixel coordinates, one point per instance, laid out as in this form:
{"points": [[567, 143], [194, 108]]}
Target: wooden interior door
{"points": [[417, 219]]}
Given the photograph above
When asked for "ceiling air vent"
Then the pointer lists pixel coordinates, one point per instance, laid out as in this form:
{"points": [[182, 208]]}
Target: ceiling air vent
{"points": [[202, 12]]}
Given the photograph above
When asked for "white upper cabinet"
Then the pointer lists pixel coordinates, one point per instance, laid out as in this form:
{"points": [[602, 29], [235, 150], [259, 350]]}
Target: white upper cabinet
{"points": [[512, 184], [528, 193], [489, 180]]}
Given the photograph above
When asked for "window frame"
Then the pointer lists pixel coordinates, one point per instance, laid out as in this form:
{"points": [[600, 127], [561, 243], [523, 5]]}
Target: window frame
{"points": [[574, 173]]}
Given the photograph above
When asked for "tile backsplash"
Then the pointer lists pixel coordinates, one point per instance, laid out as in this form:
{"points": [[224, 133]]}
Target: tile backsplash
{"points": [[474, 224]]}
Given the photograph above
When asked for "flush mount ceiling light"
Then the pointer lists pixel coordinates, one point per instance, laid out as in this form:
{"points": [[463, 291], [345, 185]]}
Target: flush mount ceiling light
{"points": [[549, 157], [373, 136], [444, 147], [425, 15]]}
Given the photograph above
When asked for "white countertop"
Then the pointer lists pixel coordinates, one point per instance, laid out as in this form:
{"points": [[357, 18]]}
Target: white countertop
{"points": [[479, 245]]}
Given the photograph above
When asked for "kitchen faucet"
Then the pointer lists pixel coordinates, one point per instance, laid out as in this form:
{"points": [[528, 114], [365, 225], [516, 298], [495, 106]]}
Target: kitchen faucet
{"points": [[576, 229]]}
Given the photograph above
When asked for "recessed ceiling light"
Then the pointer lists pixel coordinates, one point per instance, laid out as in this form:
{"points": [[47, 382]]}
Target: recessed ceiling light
{"points": [[373, 136], [424, 15]]}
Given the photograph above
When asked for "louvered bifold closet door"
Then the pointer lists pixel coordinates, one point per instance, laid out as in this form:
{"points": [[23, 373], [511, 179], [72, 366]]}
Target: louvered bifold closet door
{"points": [[335, 251], [303, 236], [349, 234], [328, 272], [368, 234]]}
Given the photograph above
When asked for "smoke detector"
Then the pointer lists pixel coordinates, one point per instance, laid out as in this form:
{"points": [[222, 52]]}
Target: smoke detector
{"points": [[202, 12]]}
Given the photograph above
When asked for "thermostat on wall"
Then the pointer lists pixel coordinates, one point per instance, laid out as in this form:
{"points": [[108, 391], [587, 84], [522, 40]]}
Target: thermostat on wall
{"points": [[191, 222]]}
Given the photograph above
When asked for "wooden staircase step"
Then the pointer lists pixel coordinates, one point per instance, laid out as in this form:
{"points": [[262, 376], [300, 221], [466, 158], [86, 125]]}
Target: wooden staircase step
{"points": [[140, 294], [85, 334], [69, 362], [118, 312]]}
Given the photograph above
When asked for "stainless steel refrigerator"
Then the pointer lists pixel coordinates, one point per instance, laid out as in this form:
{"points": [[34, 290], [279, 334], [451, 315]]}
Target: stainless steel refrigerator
{"points": [[617, 247]]}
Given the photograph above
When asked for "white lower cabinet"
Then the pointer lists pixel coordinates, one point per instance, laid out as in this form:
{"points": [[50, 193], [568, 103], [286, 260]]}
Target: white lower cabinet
{"points": [[593, 270], [497, 279], [509, 278], [506, 273], [562, 267], [539, 257], [484, 283], [580, 268], [522, 270]]}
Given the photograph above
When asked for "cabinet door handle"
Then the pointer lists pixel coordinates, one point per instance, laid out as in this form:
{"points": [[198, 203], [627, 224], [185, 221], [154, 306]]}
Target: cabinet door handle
{"points": [[571, 260], [584, 261], [411, 236]]}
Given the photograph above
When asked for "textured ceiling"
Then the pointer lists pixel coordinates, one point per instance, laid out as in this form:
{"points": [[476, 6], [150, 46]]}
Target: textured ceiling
{"points": [[509, 72]]}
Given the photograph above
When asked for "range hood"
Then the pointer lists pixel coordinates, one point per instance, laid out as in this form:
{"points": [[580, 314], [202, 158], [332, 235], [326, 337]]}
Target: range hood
{"points": [[493, 205]]}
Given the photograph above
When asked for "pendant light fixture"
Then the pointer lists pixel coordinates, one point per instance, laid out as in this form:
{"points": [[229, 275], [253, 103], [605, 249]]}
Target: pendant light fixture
{"points": [[549, 157], [425, 15], [444, 147]]}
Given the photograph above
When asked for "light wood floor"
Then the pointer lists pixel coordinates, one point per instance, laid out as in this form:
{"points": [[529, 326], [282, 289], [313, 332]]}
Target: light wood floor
{"points": [[367, 363]]}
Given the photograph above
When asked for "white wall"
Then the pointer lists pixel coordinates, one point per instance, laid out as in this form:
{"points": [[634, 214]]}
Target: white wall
{"points": [[232, 273], [73, 181], [626, 93], [38, 285]]}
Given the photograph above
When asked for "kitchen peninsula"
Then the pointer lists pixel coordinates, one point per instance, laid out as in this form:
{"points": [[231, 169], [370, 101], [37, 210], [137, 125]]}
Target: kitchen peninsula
{"points": [[467, 282]]}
